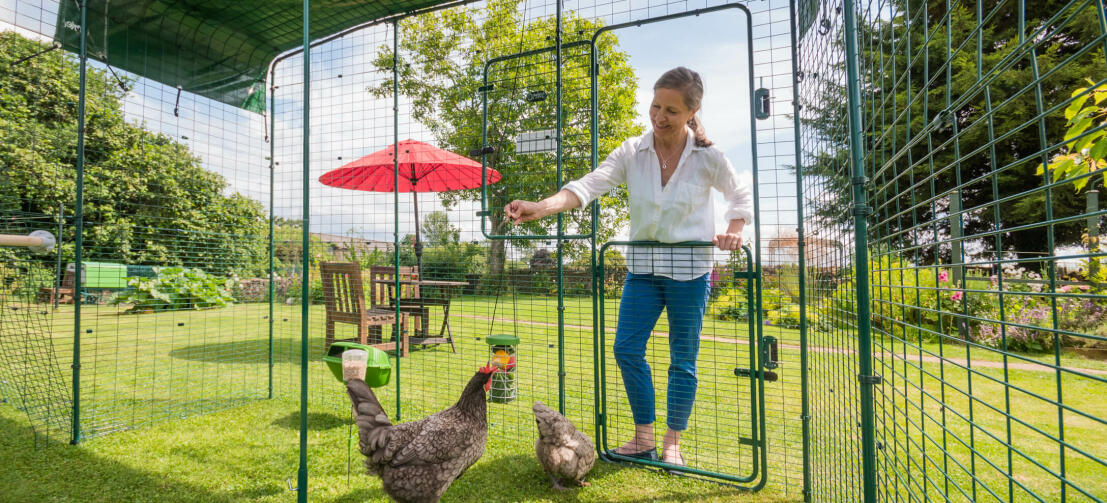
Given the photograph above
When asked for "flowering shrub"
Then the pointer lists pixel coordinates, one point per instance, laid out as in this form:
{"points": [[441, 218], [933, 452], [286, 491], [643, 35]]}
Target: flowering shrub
{"points": [[1018, 338], [252, 290], [788, 316], [729, 304]]}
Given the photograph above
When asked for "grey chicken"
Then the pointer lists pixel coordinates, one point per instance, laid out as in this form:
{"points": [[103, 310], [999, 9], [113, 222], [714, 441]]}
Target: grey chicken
{"points": [[565, 453], [418, 461]]}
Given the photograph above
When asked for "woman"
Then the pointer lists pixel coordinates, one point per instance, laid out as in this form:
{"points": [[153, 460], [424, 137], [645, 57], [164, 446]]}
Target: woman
{"points": [[669, 172]]}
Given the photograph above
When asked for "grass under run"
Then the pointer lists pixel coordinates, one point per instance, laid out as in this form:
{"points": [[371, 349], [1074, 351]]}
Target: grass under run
{"points": [[156, 375], [247, 453]]}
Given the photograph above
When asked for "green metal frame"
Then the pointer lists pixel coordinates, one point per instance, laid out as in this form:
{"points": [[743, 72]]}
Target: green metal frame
{"points": [[864, 146], [485, 211], [305, 294], [861, 210], [78, 216], [758, 437], [805, 404]]}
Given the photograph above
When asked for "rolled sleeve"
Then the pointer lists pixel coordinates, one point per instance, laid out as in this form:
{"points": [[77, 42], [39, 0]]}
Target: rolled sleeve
{"points": [[738, 195], [609, 174], [577, 188]]}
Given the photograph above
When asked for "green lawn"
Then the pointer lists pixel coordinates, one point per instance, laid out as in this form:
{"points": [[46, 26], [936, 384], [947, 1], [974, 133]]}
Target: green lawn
{"points": [[187, 391]]}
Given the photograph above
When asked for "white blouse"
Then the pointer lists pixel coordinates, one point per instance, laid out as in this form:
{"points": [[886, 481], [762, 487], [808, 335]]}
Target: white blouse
{"points": [[679, 211]]}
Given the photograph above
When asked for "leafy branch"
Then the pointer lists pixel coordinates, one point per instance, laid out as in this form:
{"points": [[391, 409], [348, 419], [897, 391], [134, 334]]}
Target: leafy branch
{"points": [[1084, 150]]}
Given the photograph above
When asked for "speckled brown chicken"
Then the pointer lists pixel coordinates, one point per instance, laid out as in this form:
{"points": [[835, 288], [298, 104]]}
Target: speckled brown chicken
{"points": [[418, 461], [565, 453]]}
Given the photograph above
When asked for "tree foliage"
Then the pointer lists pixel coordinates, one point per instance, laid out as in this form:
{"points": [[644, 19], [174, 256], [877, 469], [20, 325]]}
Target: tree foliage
{"points": [[1085, 150], [937, 127], [437, 230], [441, 66], [147, 200]]}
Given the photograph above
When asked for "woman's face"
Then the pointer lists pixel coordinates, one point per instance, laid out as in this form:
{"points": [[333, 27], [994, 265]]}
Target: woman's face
{"points": [[669, 114]]}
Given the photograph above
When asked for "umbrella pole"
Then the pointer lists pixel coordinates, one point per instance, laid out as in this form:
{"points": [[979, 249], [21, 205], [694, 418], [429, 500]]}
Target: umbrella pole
{"points": [[418, 245], [423, 322]]}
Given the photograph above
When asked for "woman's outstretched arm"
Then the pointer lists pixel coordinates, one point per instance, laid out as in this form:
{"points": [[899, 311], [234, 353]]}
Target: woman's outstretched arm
{"points": [[519, 211]]}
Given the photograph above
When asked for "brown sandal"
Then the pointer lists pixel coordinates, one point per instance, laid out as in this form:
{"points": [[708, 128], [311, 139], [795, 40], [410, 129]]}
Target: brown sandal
{"points": [[681, 463], [648, 454]]}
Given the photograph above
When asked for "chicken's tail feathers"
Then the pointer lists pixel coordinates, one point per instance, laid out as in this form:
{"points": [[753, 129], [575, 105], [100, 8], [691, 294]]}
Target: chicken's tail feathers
{"points": [[372, 422]]}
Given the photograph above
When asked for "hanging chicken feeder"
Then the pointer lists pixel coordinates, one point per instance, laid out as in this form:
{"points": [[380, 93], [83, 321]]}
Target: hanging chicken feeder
{"points": [[501, 352], [378, 368]]}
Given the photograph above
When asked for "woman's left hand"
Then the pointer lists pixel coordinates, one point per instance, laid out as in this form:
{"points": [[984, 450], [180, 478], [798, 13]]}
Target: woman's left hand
{"points": [[728, 242]]}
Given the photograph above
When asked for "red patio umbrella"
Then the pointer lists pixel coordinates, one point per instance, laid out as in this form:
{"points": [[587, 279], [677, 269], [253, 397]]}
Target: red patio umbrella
{"points": [[423, 168]]}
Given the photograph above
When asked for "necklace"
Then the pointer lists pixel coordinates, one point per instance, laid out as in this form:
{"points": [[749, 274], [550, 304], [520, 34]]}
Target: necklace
{"points": [[665, 159]]}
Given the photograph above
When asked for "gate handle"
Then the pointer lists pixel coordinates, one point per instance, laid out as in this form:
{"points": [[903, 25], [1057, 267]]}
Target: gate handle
{"points": [[770, 352]]}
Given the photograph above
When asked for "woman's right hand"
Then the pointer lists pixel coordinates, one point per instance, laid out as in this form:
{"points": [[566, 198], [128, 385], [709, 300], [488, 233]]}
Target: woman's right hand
{"points": [[519, 211]]}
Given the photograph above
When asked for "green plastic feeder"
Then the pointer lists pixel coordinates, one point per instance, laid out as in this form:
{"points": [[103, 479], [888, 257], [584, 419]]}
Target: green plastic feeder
{"points": [[501, 354], [377, 371]]}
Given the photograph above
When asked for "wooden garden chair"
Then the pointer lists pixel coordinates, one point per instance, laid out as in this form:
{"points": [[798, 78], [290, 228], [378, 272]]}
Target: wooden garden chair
{"points": [[382, 295], [63, 294], [345, 302]]}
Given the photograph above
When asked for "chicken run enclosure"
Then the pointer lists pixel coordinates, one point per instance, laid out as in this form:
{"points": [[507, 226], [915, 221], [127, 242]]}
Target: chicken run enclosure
{"points": [[919, 312]]}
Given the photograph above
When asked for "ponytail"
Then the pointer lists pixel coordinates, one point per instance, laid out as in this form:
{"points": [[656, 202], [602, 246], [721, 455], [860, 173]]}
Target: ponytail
{"points": [[698, 133]]}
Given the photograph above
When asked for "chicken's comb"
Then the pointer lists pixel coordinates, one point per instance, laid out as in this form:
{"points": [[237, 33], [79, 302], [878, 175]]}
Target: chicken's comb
{"points": [[488, 369]]}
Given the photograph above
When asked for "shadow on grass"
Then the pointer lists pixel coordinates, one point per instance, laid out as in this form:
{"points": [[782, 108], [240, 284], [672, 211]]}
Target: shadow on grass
{"points": [[511, 476], [255, 351], [252, 351], [317, 421], [60, 472], [361, 495]]}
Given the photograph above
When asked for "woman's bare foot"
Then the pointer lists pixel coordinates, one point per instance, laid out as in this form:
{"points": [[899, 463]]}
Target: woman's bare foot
{"points": [[670, 450], [672, 455]]}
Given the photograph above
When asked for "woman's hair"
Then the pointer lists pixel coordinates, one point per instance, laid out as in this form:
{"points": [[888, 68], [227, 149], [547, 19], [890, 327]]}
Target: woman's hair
{"points": [[690, 86]]}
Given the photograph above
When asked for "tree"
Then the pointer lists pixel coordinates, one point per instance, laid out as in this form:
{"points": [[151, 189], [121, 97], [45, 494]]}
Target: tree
{"points": [[542, 259], [438, 231], [926, 181], [147, 199], [441, 69]]}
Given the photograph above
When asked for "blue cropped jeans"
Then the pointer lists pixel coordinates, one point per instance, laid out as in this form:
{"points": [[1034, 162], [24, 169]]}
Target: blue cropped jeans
{"points": [[644, 296]]}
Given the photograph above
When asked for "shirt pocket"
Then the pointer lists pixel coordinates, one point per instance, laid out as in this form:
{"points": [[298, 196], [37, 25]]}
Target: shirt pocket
{"points": [[690, 196]]}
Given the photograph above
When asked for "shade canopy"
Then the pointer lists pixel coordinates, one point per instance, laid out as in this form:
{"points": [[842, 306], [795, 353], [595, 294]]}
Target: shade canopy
{"points": [[423, 168], [215, 48]]}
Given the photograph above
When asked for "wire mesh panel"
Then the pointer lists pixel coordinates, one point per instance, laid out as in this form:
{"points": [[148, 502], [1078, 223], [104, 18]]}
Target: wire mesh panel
{"points": [[471, 78], [828, 258], [979, 143], [709, 340], [33, 376], [161, 290]]}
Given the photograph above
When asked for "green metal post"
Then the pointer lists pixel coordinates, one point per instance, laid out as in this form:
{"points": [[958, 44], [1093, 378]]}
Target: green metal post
{"points": [[1000, 288], [305, 275], [861, 210], [597, 279], [958, 253], [78, 217], [560, 229], [805, 406], [396, 192], [272, 177], [1043, 142]]}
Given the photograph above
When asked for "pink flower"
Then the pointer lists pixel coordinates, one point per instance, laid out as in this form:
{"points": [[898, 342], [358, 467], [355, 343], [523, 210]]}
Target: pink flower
{"points": [[943, 276], [1066, 288], [956, 295]]}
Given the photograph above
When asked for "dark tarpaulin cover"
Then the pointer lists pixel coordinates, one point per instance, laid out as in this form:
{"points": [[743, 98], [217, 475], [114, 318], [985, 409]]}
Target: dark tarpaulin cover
{"points": [[217, 49]]}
